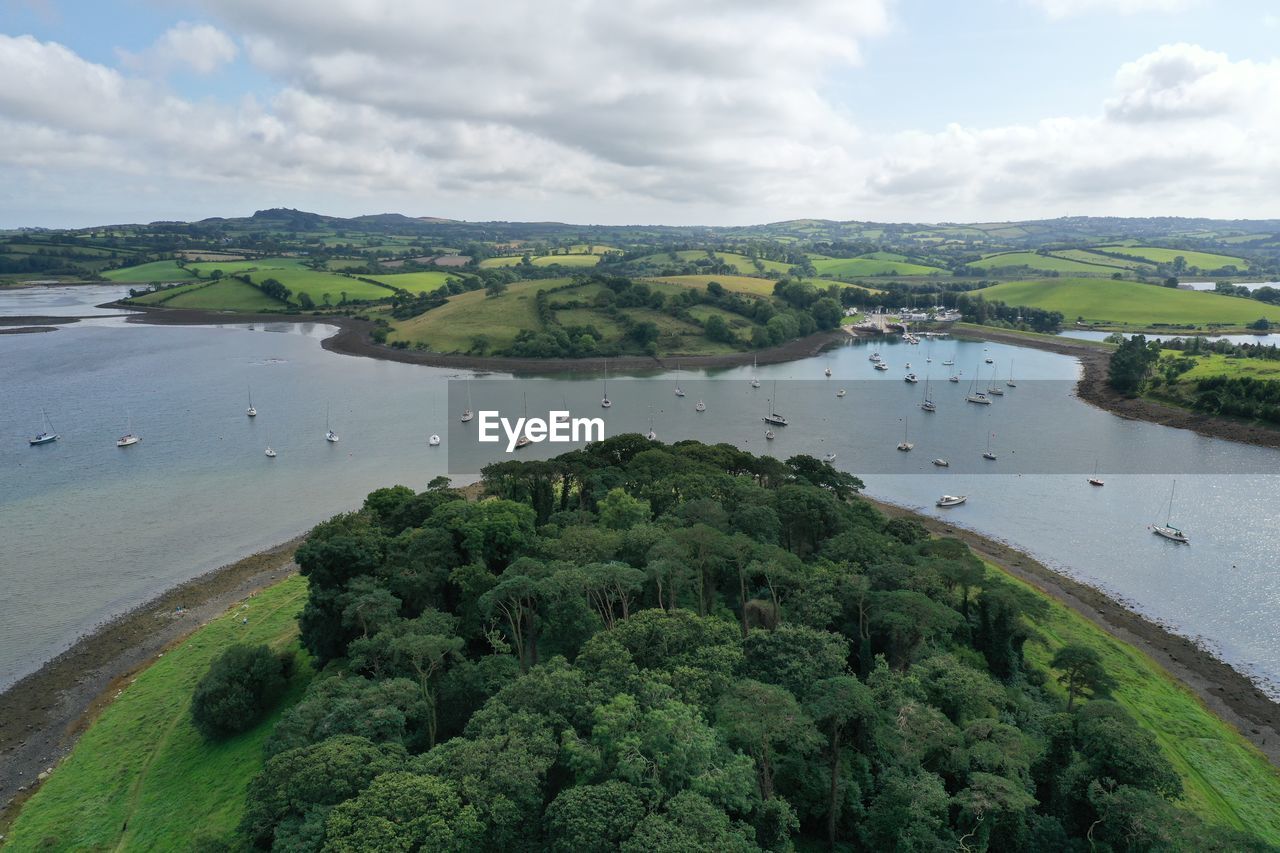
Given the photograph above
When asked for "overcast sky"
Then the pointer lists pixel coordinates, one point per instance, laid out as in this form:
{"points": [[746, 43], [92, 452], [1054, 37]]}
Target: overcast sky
{"points": [[638, 111]]}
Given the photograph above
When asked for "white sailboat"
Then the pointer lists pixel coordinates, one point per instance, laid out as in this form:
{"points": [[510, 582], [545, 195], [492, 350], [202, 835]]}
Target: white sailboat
{"points": [[755, 381], [128, 438], [251, 411], [989, 454], [467, 414], [926, 403], [1009, 382], [1167, 530], [605, 402], [994, 389], [46, 436], [700, 407], [904, 445], [329, 434], [269, 453], [827, 371], [975, 396], [651, 435], [524, 439], [774, 417], [679, 390], [1095, 480]]}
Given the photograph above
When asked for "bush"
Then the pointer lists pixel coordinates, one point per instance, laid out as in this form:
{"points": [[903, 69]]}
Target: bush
{"points": [[238, 689]]}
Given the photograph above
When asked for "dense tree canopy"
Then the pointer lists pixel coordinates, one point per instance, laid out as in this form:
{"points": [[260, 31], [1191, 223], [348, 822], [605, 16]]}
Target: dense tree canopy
{"points": [[644, 647]]}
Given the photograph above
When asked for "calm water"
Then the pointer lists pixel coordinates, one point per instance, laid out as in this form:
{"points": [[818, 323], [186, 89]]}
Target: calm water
{"points": [[77, 301], [1087, 335], [1210, 285], [89, 529]]}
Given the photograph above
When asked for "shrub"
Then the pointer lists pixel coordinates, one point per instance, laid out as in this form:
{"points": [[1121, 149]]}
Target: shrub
{"points": [[240, 686]]}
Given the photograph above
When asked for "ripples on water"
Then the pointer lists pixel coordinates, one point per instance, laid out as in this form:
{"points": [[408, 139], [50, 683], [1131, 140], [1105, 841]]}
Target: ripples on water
{"points": [[90, 530]]}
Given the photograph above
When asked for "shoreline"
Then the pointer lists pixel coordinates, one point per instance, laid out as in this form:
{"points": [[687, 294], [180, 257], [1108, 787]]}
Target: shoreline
{"points": [[43, 714], [353, 338], [1225, 691], [1093, 388]]}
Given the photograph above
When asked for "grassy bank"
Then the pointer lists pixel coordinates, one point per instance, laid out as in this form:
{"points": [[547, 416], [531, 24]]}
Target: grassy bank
{"points": [[1225, 779], [1131, 305], [141, 777]]}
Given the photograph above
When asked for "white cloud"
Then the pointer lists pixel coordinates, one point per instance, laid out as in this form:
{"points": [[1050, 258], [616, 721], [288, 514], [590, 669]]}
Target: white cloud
{"points": [[1058, 9], [196, 47], [586, 112]]}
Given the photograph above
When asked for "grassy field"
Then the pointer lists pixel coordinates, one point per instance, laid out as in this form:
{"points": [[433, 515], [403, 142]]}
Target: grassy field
{"points": [[744, 265], [416, 282], [1048, 263], [141, 778], [1226, 780], [1129, 303], [147, 273], [1212, 364], [869, 266], [584, 260], [1202, 260], [226, 295], [453, 326], [1085, 256], [731, 283]]}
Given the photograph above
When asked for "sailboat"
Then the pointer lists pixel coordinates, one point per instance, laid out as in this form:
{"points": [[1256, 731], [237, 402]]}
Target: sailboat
{"points": [[700, 407], [651, 435], [941, 463], [679, 390], [949, 362], [993, 389], [563, 417], [46, 436], [467, 414], [904, 445], [1167, 530], [524, 440], [926, 403], [755, 382], [988, 454], [1010, 381], [605, 402], [269, 453], [251, 411], [827, 371], [977, 396], [773, 417], [1095, 480], [841, 392], [128, 438], [329, 434]]}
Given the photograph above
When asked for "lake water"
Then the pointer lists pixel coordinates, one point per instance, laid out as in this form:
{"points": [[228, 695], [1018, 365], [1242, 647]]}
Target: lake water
{"points": [[89, 529], [1087, 335], [1210, 285]]}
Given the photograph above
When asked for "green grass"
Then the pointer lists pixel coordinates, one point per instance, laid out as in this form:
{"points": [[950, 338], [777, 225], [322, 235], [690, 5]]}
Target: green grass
{"points": [[416, 282], [1048, 263], [293, 274], [869, 266], [1226, 780], [731, 283], [158, 297], [543, 261], [141, 778], [1087, 257], [229, 294], [453, 326], [604, 324], [1129, 303], [147, 273], [744, 265], [1213, 364], [1202, 260]]}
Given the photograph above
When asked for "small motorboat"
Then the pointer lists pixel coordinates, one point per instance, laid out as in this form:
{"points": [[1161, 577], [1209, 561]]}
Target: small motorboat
{"points": [[905, 446], [910, 378], [467, 415], [954, 379], [331, 436], [948, 362], [679, 391], [908, 365], [989, 360], [522, 441], [434, 441], [841, 393], [830, 457], [880, 365], [951, 500], [1097, 481], [755, 383], [269, 453], [770, 434], [989, 455], [827, 371], [875, 356], [942, 463], [700, 406]]}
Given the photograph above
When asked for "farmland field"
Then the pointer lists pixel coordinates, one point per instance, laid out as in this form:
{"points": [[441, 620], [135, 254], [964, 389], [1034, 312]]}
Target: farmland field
{"points": [[731, 283], [415, 282], [298, 278], [869, 266], [1201, 260], [744, 265], [1213, 364], [229, 294], [543, 261], [128, 784], [453, 326], [1048, 263], [1088, 257], [1129, 303], [147, 273]]}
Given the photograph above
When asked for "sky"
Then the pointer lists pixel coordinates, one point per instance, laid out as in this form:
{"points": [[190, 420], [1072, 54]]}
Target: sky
{"points": [[717, 112]]}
